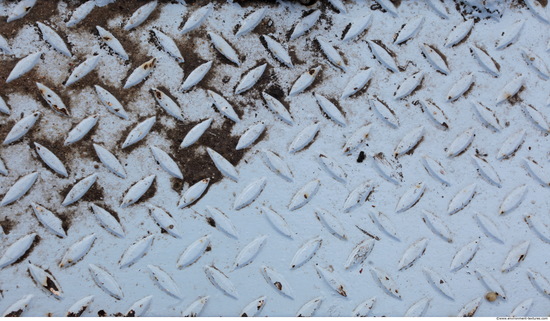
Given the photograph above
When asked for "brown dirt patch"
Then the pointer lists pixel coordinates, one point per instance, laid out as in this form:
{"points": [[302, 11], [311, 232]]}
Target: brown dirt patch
{"points": [[197, 165]]}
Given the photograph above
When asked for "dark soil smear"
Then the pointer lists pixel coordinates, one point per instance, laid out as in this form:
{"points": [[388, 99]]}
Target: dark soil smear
{"points": [[291, 52], [241, 57], [197, 165], [15, 313], [82, 149], [254, 3], [125, 132], [468, 91], [265, 82], [211, 221], [25, 84], [29, 251], [151, 191], [390, 52], [95, 194], [7, 225], [434, 48], [99, 17], [108, 209], [396, 3], [7, 125], [192, 61], [397, 35], [78, 313], [124, 96], [463, 39], [42, 11], [411, 151], [336, 104], [316, 81], [516, 99], [277, 92], [55, 146], [266, 27], [346, 29]]}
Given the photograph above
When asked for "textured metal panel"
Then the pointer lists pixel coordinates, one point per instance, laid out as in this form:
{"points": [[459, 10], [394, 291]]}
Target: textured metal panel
{"points": [[219, 159]]}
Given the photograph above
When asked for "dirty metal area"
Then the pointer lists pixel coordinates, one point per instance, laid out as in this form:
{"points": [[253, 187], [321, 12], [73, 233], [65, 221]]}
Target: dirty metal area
{"points": [[274, 158]]}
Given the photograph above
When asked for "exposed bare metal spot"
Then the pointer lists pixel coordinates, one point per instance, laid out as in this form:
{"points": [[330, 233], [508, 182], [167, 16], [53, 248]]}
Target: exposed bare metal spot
{"points": [[341, 291], [491, 296], [150, 64]]}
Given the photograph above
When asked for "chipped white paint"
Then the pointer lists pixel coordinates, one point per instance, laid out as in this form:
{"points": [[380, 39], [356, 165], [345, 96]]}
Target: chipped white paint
{"points": [[110, 102], [21, 9], [112, 42], [140, 73], [168, 104]]}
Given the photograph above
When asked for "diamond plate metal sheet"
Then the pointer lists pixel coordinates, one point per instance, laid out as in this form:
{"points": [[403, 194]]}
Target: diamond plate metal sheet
{"points": [[339, 158]]}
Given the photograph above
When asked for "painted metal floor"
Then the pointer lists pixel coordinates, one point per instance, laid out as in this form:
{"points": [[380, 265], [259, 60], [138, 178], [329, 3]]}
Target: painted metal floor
{"points": [[348, 158]]}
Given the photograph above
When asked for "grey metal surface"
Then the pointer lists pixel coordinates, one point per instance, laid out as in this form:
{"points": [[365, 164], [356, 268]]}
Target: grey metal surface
{"points": [[217, 159]]}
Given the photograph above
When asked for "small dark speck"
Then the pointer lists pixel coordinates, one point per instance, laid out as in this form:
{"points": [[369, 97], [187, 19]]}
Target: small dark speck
{"points": [[361, 157]]}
